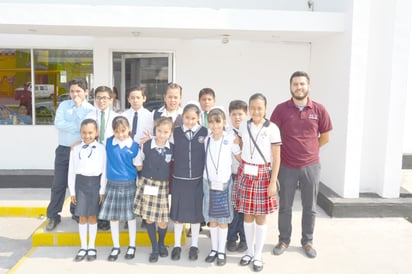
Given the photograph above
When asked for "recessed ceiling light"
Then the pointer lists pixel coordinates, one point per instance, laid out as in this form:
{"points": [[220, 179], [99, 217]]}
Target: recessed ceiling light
{"points": [[135, 33]]}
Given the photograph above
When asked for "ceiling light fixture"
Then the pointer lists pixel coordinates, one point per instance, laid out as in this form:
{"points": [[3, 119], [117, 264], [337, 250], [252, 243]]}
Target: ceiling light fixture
{"points": [[225, 38]]}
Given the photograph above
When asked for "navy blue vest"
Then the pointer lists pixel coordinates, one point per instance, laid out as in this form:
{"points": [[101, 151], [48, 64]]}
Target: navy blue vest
{"points": [[155, 166], [189, 156]]}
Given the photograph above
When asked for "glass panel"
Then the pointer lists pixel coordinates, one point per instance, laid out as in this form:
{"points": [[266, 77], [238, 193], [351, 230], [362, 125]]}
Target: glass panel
{"points": [[15, 95], [52, 70]]}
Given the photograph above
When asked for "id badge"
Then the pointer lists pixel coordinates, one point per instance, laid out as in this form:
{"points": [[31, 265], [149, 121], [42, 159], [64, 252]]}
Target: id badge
{"points": [[216, 186], [151, 190], [251, 170]]}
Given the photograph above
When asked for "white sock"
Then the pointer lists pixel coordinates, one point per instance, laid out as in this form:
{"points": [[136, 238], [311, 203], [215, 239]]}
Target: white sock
{"points": [[92, 235], [83, 235], [250, 235], [114, 228], [132, 232], [222, 239], [195, 234], [178, 228], [260, 240], [214, 237]]}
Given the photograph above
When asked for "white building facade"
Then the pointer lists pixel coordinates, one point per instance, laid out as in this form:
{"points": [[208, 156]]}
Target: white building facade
{"points": [[358, 54]]}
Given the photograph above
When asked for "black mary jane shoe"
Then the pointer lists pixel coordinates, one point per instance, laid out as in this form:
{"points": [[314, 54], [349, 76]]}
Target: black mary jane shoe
{"points": [[114, 254], [131, 250], [211, 257], [257, 265], [245, 260], [81, 254], [221, 259], [91, 255], [163, 252]]}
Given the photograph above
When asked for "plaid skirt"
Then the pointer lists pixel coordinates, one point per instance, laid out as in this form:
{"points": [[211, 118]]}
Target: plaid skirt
{"points": [[222, 200], [149, 207], [118, 201], [250, 193]]}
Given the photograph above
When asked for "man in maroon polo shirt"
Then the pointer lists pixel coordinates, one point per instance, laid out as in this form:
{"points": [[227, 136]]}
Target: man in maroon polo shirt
{"points": [[304, 127]]}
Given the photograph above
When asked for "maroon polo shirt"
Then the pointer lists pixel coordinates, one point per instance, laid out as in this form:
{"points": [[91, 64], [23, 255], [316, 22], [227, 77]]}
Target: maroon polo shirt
{"points": [[300, 132]]}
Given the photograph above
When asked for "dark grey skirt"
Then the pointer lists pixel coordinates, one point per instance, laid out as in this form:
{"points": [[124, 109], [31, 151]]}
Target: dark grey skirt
{"points": [[87, 195]]}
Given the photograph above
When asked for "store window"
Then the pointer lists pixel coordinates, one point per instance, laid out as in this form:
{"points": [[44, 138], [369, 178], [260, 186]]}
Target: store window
{"points": [[25, 101]]}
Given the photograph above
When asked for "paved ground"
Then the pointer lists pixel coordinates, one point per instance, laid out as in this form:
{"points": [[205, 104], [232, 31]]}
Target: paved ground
{"points": [[347, 245]]}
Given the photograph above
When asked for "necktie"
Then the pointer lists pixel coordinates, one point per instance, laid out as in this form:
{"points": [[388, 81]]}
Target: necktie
{"points": [[189, 134], [205, 123], [134, 126], [161, 151], [102, 127]]}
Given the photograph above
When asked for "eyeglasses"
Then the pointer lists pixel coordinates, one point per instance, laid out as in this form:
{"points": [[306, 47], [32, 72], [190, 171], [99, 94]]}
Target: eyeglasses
{"points": [[102, 98]]}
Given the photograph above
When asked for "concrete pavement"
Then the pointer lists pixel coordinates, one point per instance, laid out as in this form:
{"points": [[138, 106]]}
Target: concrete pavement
{"points": [[344, 245]]}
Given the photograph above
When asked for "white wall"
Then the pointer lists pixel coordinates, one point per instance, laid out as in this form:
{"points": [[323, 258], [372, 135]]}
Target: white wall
{"points": [[235, 70]]}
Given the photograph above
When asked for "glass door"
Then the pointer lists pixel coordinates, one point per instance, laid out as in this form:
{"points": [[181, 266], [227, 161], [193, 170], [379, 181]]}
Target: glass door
{"points": [[152, 71]]}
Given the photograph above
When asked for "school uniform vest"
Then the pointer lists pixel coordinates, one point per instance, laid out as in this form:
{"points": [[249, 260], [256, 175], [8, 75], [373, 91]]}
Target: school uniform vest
{"points": [[189, 156], [155, 166]]}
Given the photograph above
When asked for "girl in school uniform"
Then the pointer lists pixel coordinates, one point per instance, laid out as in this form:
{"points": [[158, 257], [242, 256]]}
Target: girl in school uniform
{"points": [[87, 183], [152, 202], [217, 183], [121, 186], [187, 181], [256, 184]]}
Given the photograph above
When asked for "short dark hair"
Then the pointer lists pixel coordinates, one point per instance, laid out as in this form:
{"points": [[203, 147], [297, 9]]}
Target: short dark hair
{"points": [[81, 82], [237, 104], [103, 89], [88, 121], [299, 74], [136, 88], [258, 96], [216, 115], [208, 91]]}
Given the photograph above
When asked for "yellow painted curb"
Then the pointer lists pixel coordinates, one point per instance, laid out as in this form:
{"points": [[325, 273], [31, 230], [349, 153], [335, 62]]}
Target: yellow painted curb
{"points": [[16, 211], [22, 260], [41, 237]]}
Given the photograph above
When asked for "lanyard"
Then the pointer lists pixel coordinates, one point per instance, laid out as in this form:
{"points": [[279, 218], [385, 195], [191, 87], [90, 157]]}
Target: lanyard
{"points": [[215, 165], [254, 140]]}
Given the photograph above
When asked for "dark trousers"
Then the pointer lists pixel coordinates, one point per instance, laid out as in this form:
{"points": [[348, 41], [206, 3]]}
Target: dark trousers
{"points": [[59, 183], [308, 178], [236, 229]]}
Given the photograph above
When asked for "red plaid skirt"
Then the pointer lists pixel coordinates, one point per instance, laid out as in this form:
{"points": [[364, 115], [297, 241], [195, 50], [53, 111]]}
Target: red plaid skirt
{"points": [[250, 193]]}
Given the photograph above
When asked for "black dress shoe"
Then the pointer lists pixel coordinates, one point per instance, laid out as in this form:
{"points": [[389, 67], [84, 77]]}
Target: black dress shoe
{"points": [[221, 259], [114, 254], [211, 257], [231, 246], [176, 253], [91, 254], [81, 254], [245, 260], [154, 257], [309, 251], [193, 253], [131, 250], [163, 252], [257, 265], [242, 246], [53, 222]]}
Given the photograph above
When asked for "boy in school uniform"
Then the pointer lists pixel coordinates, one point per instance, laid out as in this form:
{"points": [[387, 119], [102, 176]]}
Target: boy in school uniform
{"points": [[69, 115], [238, 114], [103, 115], [207, 100], [139, 118]]}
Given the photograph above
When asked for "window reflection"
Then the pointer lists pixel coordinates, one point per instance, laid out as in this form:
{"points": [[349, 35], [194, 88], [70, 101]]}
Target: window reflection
{"points": [[52, 70]]}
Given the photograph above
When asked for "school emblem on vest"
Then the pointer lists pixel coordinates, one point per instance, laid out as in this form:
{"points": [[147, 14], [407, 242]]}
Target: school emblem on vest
{"points": [[201, 139]]}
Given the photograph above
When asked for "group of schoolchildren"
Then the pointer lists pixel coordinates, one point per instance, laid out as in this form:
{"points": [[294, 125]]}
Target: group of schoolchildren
{"points": [[226, 176]]}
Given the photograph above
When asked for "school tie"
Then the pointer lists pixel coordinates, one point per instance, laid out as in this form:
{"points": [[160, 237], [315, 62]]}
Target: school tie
{"points": [[161, 151], [205, 123], [189, 134], [134, 126], [102, 127]]}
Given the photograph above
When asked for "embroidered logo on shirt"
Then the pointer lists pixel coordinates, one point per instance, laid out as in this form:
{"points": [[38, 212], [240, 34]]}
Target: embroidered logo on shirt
{"points": [[313, 116], [201, 139]]}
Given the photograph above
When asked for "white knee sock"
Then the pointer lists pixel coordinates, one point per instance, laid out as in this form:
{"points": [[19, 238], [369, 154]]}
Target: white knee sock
{"points": [[222, 240], [195, 234], [214, 237], [178, 228], [92, 235], [260, 240], [250, 235], [114, 228], [132, 232], [83, 235]]}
